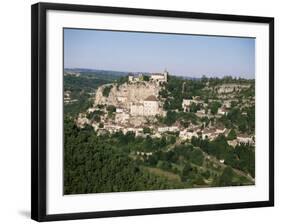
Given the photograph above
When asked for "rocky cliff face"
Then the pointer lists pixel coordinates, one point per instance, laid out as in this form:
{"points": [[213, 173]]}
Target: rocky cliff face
{"points": [[126, 93]]}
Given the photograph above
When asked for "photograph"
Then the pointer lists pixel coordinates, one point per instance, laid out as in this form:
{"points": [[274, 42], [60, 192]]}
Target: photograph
{"points": [[147, 111]]}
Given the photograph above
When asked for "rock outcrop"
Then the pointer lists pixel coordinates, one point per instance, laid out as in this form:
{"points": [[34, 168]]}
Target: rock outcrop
{"points": [[127, 93]]}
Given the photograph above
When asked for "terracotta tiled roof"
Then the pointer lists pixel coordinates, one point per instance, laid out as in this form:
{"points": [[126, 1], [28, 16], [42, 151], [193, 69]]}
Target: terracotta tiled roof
{"points": [[242, 135], [208, 131], [151, 98]]}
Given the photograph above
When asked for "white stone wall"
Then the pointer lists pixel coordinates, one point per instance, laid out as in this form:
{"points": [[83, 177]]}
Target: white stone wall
{"points": [[150, 108], [137, 109], [245, 140], [160, 78], [122, 118]]}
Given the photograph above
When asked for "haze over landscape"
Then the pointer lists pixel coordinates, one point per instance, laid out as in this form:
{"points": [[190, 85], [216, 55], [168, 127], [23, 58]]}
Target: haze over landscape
{"points": [[184, 55]]}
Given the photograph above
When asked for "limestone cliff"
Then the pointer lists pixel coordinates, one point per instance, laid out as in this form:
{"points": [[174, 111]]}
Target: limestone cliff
{"points": [[126, 93]]}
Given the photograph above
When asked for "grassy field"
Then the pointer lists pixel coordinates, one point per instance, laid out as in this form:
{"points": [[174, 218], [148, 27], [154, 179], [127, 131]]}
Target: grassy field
{"points": [[159, 172]]}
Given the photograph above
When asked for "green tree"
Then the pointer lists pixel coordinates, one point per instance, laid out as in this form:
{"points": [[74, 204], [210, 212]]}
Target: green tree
{"points": [[146, 78], [164, 165], [170, 118], [226, 178], [146, 130], [214, 106], [197, 157], [96, 118], [106, 90], [111, 108], [186, 172], [242, 125], [194, 107], [231, 135]]}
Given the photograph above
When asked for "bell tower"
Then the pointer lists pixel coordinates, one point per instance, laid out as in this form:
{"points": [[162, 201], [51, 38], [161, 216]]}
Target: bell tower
{"points": [[165, 75]]}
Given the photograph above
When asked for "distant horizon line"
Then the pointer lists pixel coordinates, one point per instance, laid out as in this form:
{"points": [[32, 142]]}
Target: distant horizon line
{"points": [[178, 75]]}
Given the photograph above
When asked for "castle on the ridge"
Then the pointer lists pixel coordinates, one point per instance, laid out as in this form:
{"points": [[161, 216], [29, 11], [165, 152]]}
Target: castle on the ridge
{"points": [[158, 77]]}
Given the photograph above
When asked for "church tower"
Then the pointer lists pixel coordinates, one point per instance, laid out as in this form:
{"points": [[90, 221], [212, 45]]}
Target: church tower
{"points": [[165, 75]]}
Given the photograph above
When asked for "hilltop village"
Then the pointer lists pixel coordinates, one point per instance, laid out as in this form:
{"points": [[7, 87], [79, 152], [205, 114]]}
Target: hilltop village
{"points": [[154, 131], [156, 105]]}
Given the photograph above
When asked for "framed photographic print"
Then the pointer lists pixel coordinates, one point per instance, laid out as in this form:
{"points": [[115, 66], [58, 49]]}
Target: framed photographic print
{"points": [[140, 111]]}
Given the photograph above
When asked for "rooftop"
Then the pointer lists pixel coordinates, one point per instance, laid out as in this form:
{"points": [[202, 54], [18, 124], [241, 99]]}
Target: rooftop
{"points": [[151, 98]]}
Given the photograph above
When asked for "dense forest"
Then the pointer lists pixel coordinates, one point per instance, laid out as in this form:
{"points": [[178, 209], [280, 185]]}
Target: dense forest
{"points": [[94, 164]]}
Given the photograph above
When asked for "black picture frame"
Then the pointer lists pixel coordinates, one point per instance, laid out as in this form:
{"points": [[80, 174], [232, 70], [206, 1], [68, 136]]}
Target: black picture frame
{"points": [[38, 108]]}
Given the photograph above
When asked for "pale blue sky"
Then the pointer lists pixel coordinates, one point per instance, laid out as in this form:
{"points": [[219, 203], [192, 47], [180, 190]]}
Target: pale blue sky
{"points": [[187, 55]]}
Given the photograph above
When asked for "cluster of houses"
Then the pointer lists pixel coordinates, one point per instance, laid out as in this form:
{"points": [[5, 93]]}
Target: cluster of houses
{"points": [[213, 133], [184, 134], [187, 103]]}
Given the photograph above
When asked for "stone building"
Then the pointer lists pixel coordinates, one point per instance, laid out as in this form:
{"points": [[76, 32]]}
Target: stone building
{"points": [[186, 103], [185, 134], [136, 109], [148, 107], [160, 77], [245, 139], [133, 78], [223, 111]]}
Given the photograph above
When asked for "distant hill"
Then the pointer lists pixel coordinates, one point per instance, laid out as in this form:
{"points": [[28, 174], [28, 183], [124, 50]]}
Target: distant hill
{"points": [[86, 71], [187, 77], [99, 72]]}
